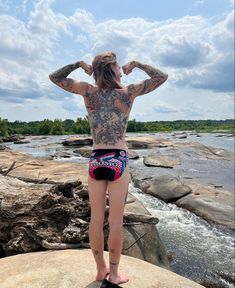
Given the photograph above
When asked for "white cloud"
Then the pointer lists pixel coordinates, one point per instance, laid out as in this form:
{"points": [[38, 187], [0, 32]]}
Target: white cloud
{"points": [[195, 52]]}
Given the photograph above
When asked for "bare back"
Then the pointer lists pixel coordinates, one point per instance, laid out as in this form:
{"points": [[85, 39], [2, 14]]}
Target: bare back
{"points": [[108, 112]]}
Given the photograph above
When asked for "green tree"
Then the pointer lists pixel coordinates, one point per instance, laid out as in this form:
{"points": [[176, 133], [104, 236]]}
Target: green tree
{"points": [[3, 127], [45, 127], [57, 127]]}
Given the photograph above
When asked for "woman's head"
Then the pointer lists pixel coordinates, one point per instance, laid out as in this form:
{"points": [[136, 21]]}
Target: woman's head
{"points": [[106, 71]]}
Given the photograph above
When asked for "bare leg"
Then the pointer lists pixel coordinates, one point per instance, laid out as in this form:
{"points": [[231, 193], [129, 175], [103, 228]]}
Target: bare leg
{"points": [[117, 194], [97, 197]]}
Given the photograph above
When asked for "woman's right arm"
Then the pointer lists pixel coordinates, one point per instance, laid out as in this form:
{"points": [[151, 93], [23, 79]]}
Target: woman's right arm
{"points": [[157, 78]]}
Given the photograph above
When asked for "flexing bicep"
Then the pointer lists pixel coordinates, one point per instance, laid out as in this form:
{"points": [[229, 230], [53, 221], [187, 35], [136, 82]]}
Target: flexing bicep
{"points": [[73, 86], [145, 86]]}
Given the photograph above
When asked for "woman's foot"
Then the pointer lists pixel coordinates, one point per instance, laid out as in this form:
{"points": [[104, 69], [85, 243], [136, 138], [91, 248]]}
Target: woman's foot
{"points": [[102, 274], [118, 279]]}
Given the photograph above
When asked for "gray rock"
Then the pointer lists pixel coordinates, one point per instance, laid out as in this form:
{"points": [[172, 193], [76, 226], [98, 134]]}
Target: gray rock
{"points": [[213, 205], [149, 247], [133, 154], [160, 161], [165, 187], [21, 142], [84, 151], [78, 141]]}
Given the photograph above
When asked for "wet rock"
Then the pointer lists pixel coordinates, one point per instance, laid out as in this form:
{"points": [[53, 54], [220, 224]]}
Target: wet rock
{"points": [[165, 187], [12, 138], [84, 151], [180, 135], [229, 277], [149, 247], [22, 142], [133, 154], [213, 205], [78, 141], [61, 154], [160, 161], [146, 142]]}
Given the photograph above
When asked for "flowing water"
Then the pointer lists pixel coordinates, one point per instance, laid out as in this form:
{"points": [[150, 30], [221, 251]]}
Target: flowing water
{"points": [[200, 249]]}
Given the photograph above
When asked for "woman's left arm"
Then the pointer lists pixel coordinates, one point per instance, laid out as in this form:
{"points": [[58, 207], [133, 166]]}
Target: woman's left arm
{"points": [[59, 77]]}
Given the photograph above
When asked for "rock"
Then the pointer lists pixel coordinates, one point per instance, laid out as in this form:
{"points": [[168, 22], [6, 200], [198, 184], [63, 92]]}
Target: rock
{"points": [[146, 142], [165, 187], [76, 268], [229, 277], [12, 138], [160, 161], [31, 213], [213, 205], [21, 142], [180, 135], [2, 147], [61, 154], [84, 151], [149, 247], [132, 154], [38, 168], [59, 214], [78, 141]]}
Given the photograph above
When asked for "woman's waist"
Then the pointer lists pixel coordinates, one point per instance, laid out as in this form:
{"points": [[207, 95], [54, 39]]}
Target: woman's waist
{"points": [[121, 146]]}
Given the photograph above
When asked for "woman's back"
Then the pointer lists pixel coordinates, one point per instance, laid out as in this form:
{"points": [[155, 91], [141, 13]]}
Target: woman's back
{"points": [[108, 112]]}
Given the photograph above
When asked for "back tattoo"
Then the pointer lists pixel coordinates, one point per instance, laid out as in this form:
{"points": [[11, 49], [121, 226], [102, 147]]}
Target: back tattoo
{"points": [[108, 112]]}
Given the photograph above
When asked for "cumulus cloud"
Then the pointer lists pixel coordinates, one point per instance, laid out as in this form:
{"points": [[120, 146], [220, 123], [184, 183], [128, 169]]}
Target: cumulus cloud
{"points": [[195, 52]]}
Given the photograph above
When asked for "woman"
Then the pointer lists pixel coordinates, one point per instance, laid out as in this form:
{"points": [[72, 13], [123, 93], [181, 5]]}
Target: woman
{"points": [[108, 104]]}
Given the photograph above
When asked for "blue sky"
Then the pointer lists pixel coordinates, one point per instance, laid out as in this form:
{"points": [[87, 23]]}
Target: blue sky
{"points": [[191, 40]]}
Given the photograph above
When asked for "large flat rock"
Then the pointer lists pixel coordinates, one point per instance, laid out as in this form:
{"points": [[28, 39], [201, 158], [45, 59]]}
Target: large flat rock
{"points": [[38, 168], [214, 205], [76, 268]]}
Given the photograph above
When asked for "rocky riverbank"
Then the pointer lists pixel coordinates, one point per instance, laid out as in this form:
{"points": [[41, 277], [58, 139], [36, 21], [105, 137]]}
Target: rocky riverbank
{"points": [[160, 167], [44, 204]]}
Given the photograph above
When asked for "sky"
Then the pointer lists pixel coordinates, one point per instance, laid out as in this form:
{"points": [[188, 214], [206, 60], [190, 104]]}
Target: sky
{"points": [[191, 40]]}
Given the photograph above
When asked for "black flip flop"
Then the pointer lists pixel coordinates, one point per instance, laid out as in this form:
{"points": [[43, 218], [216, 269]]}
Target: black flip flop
{"points": [[107, 284]]}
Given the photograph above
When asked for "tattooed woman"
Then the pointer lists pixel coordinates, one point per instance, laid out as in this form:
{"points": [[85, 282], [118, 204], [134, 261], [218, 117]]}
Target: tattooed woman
{"points": [[108, 104]]}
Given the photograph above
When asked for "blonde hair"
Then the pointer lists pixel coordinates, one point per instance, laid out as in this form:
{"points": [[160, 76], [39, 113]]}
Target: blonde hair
{"points": [[102, 71]]}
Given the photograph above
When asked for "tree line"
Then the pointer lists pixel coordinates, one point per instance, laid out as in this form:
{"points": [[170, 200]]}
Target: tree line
{"points": [[81, 126]]}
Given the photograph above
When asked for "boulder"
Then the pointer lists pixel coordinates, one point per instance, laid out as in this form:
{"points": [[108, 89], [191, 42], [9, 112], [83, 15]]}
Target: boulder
{"points": [[146, 142], [13, 138], [148, 246], [133, 154], [84, 151], [168, 188], [81, 141], [160, 161], [28, 167], [60, 214], [76, 268], [213, 205]]}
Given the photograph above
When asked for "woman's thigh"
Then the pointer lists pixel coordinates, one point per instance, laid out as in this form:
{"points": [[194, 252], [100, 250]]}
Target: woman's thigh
{"points": [[97, 198], [117, 195]]}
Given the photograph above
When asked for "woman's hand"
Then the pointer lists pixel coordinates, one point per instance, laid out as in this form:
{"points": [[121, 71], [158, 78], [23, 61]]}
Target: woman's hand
{"points": [[86, 67], [127, 69]]}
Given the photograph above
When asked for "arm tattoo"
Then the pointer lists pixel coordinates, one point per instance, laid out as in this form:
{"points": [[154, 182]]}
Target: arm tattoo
{"points": [[108, 112], [60, 74], [157, 77]]}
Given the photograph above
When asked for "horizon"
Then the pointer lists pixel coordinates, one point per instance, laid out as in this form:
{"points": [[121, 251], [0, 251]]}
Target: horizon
{"points": [[40, 120], [192, 41]]}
